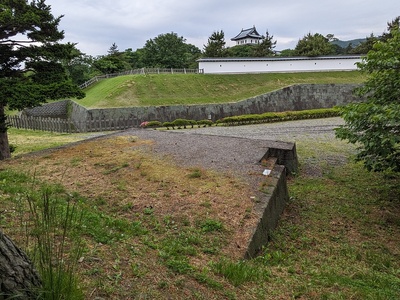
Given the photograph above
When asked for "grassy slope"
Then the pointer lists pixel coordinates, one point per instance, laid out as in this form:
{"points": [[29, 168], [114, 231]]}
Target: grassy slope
{"points": [[139, 90]]}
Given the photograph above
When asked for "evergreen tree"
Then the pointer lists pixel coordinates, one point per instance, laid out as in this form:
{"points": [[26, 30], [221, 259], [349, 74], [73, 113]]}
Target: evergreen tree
{"points": [[216, 45], [31, 56], [265, 47], [113, 62]]}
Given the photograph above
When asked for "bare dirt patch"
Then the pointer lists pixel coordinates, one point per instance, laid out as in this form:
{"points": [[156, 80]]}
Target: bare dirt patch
{"points": [[130, 178], [120, 173]]}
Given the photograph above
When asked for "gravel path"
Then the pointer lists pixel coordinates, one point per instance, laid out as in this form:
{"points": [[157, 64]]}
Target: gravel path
{"points": [[291, 131], [236, 149]]}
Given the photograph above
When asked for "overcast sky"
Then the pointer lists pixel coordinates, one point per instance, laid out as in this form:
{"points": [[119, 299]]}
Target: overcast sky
{"points": [[96, 25]]}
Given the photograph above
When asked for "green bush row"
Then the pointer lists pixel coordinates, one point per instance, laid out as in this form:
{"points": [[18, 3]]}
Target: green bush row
{"points": [[250, 119], [279, 116], [179, 123]]}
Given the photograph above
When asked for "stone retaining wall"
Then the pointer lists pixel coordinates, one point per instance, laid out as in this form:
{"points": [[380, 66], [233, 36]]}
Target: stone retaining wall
{"points": [[292, 98], [57, 109]]}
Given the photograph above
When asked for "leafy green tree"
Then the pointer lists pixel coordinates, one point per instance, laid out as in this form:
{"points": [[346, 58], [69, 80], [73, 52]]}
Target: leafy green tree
{"points": [[192, 54], [215, 45], [240, 51], [133, 58], [168, 51], [81, 68], [113, 62], [287, 52], [31, 69], [313, 45], [374, 125]]}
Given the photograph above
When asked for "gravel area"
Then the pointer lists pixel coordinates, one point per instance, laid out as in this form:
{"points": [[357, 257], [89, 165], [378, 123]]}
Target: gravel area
{"points": [[237, 149], [291, 131]]}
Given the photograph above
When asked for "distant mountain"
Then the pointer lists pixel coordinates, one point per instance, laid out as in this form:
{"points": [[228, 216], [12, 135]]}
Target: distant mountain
{"points": [[353, 43]]}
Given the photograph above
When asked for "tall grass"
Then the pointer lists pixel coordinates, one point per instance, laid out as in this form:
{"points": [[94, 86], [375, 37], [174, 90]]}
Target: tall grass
{"points": [[49, 223], [57, 248]]}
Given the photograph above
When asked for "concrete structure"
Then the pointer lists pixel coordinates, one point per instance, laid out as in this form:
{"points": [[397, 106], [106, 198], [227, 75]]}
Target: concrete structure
{"points": [[231, 65], [248, 36]]}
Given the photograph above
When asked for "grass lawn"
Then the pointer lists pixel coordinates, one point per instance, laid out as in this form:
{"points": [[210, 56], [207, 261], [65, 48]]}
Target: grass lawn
{"points": [[174, 89], [26, 141], [154, 230]]}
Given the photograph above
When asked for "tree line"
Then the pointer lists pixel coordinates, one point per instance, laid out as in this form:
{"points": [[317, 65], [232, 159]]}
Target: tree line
{"points": [[170, 50]]}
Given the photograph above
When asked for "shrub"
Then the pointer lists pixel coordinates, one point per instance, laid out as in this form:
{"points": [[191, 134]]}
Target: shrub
{"points": [[192, 123], [181, 123], [204, 123], [279, 116], [153, 124], [168, 125]]}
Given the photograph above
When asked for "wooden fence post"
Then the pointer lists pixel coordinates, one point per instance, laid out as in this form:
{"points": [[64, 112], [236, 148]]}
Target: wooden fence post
{"points": [[70, 126]]}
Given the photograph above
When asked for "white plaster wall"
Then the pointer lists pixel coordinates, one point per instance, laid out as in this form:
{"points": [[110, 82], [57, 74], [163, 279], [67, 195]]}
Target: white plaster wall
{"points": [[244, 66]]}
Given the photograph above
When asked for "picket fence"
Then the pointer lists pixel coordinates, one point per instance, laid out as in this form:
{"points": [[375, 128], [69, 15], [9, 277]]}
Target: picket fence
{"points": [[70, 126], [143, 71]]}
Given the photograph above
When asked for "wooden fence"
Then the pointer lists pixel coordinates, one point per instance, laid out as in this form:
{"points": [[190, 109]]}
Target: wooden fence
{"points": [[143, 71], [69, 126]]}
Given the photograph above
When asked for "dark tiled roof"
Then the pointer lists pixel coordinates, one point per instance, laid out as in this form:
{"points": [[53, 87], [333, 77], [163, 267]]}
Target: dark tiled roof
{"points": [[250, 32]]}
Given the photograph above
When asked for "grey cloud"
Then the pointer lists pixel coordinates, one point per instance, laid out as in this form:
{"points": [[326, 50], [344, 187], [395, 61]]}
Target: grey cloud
{"points": [[95, 25]]}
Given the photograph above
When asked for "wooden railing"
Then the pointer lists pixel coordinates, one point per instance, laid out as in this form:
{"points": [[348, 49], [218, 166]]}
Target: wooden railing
{"points": [[70, 126], [143, 71]]}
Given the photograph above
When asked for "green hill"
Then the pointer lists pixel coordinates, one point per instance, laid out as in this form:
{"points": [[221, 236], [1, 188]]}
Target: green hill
{"points": [[345, 44], [174, 89]]}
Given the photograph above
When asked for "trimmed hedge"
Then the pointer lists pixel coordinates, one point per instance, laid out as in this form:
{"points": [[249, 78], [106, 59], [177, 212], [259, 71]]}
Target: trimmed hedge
{"points": [[168, 125], [153, 124], [279, 116], [252, 119], [182, 123], [204, 123], [179, 123]]}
